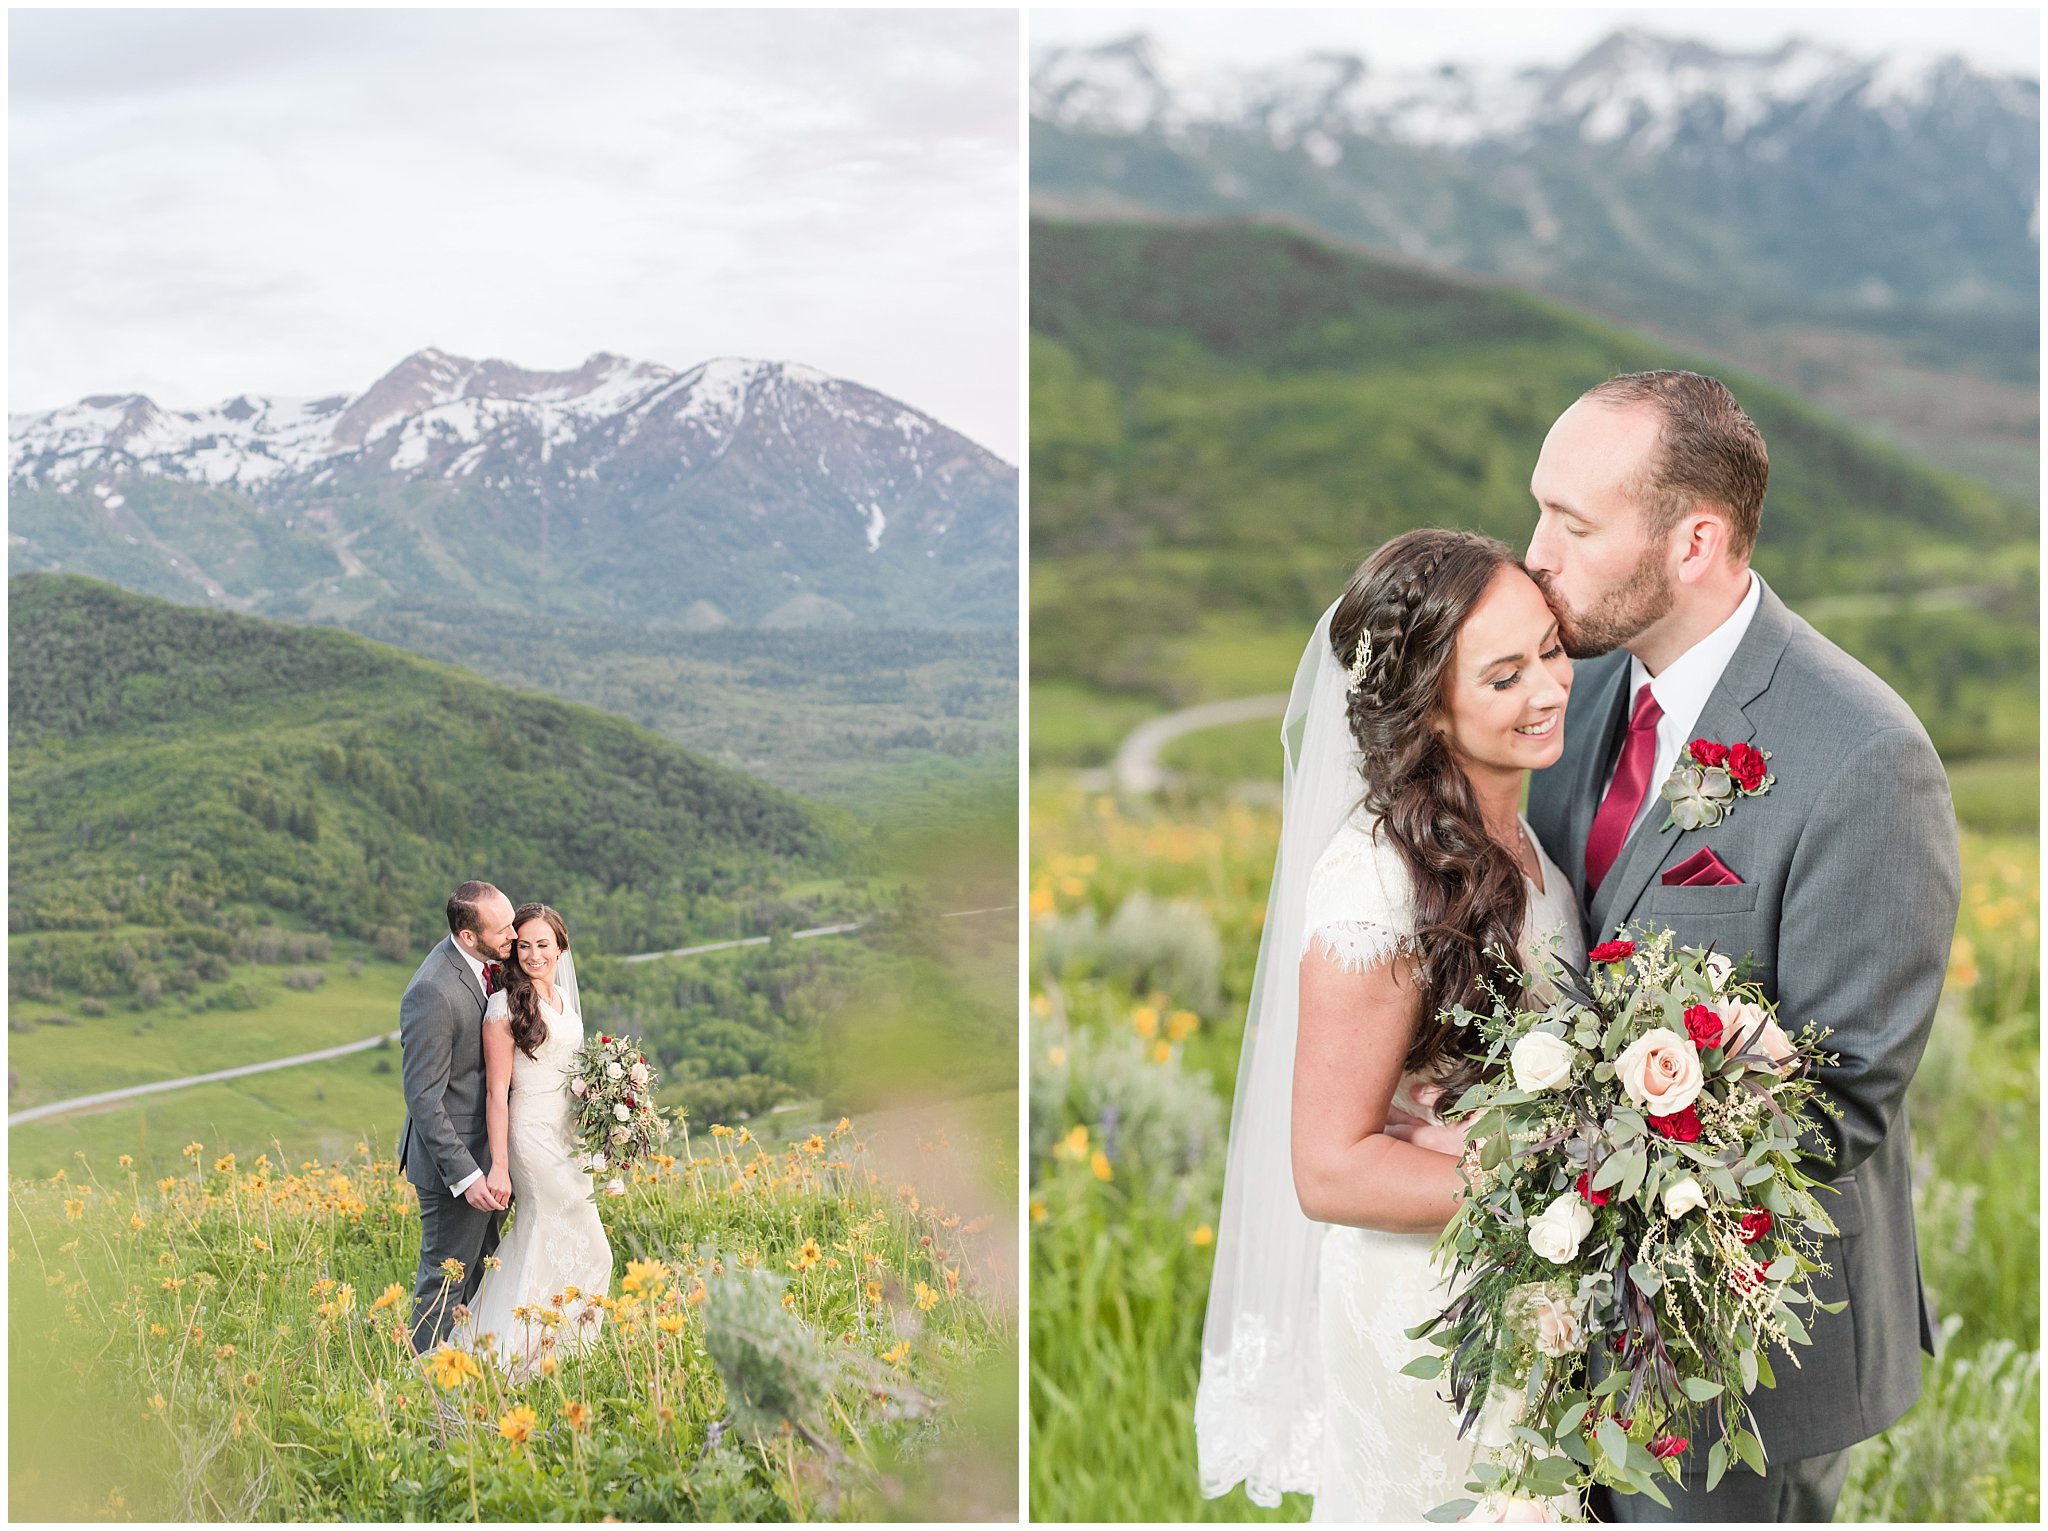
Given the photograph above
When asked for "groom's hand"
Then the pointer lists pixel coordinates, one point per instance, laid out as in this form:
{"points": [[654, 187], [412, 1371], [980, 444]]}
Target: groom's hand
{"points": [[479, 1195]]}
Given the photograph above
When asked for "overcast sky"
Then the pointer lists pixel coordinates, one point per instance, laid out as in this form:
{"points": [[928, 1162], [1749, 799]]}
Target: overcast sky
{"points": [[289, 202], [2007, 40]]}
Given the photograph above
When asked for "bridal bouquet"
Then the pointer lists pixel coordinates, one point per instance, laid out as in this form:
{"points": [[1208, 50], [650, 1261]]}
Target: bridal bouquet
{"points": [[1637, 1232], [617, 1123]]}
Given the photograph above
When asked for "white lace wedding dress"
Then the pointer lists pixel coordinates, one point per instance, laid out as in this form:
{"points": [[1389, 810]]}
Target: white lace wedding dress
{"points": [[556, 1240], [1390, 1449]]}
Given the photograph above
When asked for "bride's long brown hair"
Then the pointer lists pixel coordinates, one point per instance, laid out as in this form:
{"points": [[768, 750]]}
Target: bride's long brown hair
{"points": [[1412, 597], [521, 1001]]}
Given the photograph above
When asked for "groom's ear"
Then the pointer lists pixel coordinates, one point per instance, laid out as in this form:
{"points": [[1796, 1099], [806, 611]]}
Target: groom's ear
{"points": [[1701, 540]]}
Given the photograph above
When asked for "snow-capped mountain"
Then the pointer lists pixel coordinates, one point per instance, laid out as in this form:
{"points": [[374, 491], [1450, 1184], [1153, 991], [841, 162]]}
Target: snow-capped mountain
{"points": [[741, 491], [1715, 196], [1637, 89]]}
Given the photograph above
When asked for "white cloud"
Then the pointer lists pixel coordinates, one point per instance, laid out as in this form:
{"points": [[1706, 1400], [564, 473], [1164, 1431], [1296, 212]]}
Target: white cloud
{"points": [[204, 203]]}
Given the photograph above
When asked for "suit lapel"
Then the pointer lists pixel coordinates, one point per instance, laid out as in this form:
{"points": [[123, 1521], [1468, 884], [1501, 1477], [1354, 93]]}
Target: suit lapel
{"points": [[1725, 720], [465, 972]]}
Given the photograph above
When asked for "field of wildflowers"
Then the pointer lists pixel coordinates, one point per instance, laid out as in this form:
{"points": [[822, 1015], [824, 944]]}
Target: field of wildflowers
{"points": [[1145, 929], [791, 1333]]}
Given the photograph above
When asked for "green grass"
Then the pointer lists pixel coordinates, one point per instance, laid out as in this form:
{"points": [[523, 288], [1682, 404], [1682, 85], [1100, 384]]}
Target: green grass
{"points": [[124, 1047], [1120, 1273], [212, 1349]]}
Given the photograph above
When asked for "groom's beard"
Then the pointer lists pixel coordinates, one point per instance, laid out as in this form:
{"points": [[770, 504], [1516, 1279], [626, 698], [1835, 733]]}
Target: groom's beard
{"points": [[1623, 613]]}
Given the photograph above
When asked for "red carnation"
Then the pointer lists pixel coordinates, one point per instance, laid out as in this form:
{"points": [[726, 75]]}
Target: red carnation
{"points": [[1626, 1421], [1680, 1126], [1585, 1189], [1747, 1278], [1708, 753], [1746, 765], [1703, 1025], [1755, 1225], [1668, 1445], [1612, 951]]}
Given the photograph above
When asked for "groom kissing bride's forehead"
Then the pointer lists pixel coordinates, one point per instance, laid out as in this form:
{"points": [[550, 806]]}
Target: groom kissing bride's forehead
{"points": [[1833, 870]]}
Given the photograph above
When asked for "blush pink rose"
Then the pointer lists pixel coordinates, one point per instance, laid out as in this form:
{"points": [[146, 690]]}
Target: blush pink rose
{"points": [[1660, 1071], [1756, 1025]]}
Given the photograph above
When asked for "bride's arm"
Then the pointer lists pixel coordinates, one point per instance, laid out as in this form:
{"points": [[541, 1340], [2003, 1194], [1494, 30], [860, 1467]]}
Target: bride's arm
{"points": [[1355, 1028], [498, 1105]]}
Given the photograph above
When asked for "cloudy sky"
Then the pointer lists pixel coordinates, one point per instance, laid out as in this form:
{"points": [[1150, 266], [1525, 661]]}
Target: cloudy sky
{"points": [[205, 203], [2007, 40]]}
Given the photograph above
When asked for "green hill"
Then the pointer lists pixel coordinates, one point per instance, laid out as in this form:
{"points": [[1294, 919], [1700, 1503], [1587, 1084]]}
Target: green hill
{"points": [[182, 769], [1226, 418]]}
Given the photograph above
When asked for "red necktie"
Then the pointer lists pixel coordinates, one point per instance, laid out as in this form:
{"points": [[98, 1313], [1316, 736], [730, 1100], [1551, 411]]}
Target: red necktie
{"points": [[490, 979], [1625, 793]]}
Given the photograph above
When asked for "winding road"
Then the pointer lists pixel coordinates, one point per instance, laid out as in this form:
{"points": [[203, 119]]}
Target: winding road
{"points": [[130, 1092]]}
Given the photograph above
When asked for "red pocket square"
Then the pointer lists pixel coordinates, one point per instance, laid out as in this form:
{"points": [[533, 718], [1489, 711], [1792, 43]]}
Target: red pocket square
{"points": [[1701, 870]]}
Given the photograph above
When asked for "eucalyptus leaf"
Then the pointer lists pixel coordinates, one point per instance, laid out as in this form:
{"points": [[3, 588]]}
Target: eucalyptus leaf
{"points": [[1613, 1444], [1428, 1368], [1456, 1509], [1646, 1280], [1747, 1361], [1574, 1446], [1717, 1464], [1568, 1422], [1750, 1450], [1794, 1326], [1764, 1373], [1700, 1389]]}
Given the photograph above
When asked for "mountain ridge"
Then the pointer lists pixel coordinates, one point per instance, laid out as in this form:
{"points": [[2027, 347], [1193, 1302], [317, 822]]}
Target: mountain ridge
{"points": [[633, 489]]}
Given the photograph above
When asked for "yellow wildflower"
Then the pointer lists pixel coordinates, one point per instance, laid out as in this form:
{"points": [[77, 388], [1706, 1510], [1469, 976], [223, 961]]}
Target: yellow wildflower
{"points": [[192, 1150], [1202, 1237], [1181, 1025], [578, 1416], [517, 1425], [127, 1161], [697, 1295], [927, 1298], [452, 1268], [1038, 1211], [225, 1164], [807, 1256], [389, 1297], [1099, 1163], [453, 1368], [649, 1276], [898, 1353], [1162, 1052], [874, 1291], [814, 1144], [156, 1402], [223, 1352], [549, 1365], [1146, 1020], [669, 1323], [952, 1274], [1075, 1143]]}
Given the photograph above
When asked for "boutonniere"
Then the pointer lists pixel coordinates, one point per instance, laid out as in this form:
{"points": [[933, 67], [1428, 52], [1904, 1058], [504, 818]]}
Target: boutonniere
{"points": [[1710, 779]]}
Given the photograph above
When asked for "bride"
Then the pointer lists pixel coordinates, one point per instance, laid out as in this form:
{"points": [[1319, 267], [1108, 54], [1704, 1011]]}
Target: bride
{"points": [[557, 1245], [1431, 689]]}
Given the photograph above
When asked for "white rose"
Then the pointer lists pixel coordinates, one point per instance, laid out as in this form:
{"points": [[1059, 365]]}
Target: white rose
{"points": [[1682, 1196], [1719, 971], [621, 1112], [578, 1087], [1542, 1061], [613, 1071], [639, 1072], [1558, 1329], [622, 1135], [1503, 1410], [1660, 1071], [1557, 1231], [597, 1162], [1501, 1509], [615, 1188]]}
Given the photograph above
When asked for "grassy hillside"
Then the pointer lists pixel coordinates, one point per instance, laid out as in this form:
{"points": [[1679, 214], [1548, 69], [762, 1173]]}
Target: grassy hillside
{"points": [[192, 771], [1225, 418]]}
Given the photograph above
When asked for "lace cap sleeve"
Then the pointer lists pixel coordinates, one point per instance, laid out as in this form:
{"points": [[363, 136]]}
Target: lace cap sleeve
{"points": [[497, 1008], [1361, 910]]}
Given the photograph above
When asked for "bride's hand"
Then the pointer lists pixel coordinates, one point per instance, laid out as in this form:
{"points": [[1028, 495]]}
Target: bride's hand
{"points": [[499, 1183], [1437, 1137]]}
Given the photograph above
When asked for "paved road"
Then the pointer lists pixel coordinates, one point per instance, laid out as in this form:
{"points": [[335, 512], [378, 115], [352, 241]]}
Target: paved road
{"points": [[1137, 767], [109, 1097]]}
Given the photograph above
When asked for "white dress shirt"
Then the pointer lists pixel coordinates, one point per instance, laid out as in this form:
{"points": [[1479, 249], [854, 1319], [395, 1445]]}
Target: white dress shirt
{"points": [[1682, 692], [476, 966]]}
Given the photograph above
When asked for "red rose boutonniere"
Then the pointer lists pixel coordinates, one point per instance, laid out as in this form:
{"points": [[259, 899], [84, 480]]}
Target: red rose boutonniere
{"points": [[1710, 779]]}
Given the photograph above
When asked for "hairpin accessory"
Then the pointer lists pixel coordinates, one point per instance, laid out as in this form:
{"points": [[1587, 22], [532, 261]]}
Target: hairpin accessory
{"points": [[1361, 660]]}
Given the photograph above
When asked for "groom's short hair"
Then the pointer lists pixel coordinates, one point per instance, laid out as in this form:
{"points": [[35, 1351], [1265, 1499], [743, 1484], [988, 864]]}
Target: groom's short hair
{"points": [[463, 904], [1707, 449]]}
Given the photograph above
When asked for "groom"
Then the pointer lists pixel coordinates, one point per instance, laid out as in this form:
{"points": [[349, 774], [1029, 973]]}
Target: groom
{"points": [[1840, 881], [445, 1149]]}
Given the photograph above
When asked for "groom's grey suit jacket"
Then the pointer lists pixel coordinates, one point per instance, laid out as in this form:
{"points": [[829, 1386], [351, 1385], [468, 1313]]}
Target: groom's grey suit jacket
{"points": [[440, 1031], [1850, 884]]}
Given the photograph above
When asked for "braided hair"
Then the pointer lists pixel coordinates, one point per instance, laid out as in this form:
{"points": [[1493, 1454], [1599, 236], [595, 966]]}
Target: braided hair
{"points": [[522, 1003], [1410, 599]]}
